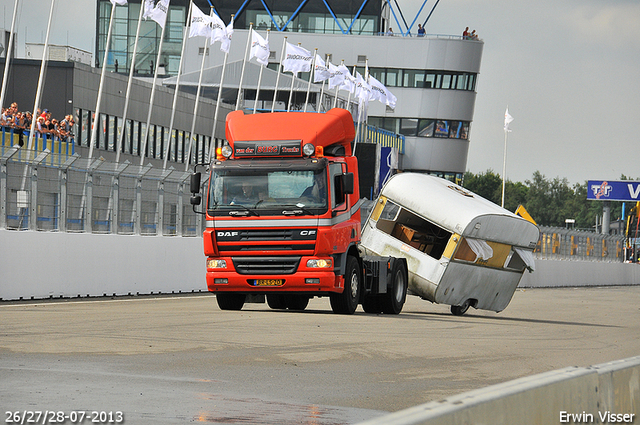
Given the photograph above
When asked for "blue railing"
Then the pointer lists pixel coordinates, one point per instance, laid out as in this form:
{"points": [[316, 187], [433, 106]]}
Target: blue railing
{"points": [[60, 148]]}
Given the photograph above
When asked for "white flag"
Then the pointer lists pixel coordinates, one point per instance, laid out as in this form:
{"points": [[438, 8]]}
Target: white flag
{"points": [[336, 76], [259, 48], [381, 93], [120, 2], [297, 59], [363, 89], [349, 82], [507, 119], [200, 23], [219, 32], [225, 40], [156, 10], [321, 72]]}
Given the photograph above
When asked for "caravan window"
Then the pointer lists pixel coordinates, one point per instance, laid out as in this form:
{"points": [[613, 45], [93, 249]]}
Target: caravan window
{"points": [[413, 230]]}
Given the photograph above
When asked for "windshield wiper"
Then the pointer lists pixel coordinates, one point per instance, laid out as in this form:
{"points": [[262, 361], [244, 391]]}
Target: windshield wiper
{"points": [[247, 211], [299, 211]]}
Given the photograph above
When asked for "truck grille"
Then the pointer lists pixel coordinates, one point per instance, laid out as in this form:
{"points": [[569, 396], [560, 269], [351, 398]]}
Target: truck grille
{"points": [[240, 241], [266, 265]]}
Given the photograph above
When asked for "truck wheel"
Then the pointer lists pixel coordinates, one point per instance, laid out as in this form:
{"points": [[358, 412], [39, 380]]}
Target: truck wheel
{"points": [[276, 301], [230, 301], [459, 310], [372, 304], [394, 299], [347, 301], [296, 302]]}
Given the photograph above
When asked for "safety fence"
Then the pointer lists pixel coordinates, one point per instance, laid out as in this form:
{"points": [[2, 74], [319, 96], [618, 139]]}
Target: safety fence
{"points": [[55, 192], [568, 244]]}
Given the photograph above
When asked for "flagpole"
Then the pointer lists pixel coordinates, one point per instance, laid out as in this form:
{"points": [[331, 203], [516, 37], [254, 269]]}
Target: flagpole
{"points": [[143, 148], [311, 74], [504, 165], [349, 98], [96, 120], [255, 104], [215, 115], [319, 103], [293, 80], [275, 91], [335, 101], [507, 119], [195, 106], [175, 93], [132, 67], [8, 55], [34, 117], [244, 62]]}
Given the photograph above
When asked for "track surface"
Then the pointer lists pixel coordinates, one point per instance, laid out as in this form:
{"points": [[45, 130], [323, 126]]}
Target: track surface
{"points": [[181, 359]]}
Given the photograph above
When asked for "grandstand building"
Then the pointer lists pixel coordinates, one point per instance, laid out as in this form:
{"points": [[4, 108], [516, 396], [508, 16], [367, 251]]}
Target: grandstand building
{"points": [[434, 77]]}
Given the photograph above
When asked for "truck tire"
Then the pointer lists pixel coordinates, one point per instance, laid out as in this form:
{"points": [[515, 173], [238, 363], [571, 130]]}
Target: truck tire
{"points": [[276, 301], [347, 301], [393, 300], [230, 301], [372, 304], [296, 302]]}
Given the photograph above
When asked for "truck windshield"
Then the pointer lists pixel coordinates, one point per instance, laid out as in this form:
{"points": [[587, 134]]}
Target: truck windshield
{"points": [[247, 190]]}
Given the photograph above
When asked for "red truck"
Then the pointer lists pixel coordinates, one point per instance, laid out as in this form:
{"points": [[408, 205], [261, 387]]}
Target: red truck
{"points": [[283, 217]]}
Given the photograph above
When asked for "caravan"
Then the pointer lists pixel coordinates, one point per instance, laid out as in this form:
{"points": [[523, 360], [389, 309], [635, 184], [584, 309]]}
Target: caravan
{"points": [[461, 249]]}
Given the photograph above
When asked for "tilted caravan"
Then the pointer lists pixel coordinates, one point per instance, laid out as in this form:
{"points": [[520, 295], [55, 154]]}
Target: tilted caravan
{"points": [[461, 249]]}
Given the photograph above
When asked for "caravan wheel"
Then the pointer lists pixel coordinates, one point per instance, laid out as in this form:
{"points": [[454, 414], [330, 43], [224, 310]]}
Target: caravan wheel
{"points": [[459, 310]]}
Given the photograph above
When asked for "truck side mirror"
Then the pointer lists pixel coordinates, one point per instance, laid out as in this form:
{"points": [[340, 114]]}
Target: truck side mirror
{"points": [[195, 182], [347, 183]]}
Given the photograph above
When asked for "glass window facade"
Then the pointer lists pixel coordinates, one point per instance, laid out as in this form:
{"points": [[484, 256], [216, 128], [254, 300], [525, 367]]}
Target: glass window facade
{"points": [[284, 15], [446, 129]]}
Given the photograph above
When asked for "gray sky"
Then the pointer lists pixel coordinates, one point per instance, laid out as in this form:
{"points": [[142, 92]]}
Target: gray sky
{"points": [[567, 70]]}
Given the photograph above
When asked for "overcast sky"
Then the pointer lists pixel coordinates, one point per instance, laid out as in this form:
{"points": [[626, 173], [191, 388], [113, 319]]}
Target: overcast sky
{"points": [[567, 69]]}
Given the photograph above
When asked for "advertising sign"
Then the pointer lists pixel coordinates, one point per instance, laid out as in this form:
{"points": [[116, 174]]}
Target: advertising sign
{"points": [[624, 190]]}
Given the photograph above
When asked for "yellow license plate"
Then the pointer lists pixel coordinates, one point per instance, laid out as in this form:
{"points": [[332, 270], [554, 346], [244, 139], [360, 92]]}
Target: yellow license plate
{"points": [[269, 282]]}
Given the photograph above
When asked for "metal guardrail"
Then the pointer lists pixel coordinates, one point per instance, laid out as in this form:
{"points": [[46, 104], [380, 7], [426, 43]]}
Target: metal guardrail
{"points": [[556, 243], [55, 192]]}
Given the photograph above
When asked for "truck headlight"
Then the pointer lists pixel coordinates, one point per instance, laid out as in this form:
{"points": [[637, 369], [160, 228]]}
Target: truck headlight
{"points": [[216, 264], [308, 149], [319, 264], [226, 151]]}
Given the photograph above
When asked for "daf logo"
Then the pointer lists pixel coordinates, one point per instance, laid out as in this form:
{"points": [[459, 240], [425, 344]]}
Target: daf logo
{"points": [[307, 232], [226, 234]]}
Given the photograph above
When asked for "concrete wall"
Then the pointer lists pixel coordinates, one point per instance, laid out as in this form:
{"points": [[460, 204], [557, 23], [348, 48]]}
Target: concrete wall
{"points": [[53, 264], [547, 398], [555, 273]]}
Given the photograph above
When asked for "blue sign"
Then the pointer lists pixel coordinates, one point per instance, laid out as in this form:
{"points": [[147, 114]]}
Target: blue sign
{"points": [[624, 190]]}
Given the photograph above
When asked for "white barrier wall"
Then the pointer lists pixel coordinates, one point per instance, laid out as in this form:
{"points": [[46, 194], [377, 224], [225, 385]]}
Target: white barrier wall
{"points": [[57, 264], [555, 273], [606, 393], [53, 264]]}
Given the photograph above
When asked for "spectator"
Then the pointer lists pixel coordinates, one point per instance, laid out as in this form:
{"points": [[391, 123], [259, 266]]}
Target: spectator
{"points": [[40, 126], [390, 32], [473, 35], [421, 31], [465, 33]]}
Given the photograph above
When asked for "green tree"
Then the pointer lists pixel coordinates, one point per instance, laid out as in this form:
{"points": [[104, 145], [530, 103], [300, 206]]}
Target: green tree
{"points": [[486, 184]]}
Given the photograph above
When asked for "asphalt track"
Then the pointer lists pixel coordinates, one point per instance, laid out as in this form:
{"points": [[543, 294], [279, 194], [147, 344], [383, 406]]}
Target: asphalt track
{"points": [[180, 359]]}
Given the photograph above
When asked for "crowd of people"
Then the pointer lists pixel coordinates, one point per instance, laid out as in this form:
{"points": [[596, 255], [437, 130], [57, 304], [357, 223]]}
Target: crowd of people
{"points": [[45, 124], [466, 35]]}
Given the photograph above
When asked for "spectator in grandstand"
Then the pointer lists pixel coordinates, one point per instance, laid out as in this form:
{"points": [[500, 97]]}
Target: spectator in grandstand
{"points": [[421, 31]]}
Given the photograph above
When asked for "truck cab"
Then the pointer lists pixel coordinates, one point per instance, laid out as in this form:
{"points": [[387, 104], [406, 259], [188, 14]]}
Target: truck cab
{"points": [[283, 212]]}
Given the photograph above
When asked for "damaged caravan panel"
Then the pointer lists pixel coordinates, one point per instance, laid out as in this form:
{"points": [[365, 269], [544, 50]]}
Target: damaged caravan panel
{"points": [[461, 249]]}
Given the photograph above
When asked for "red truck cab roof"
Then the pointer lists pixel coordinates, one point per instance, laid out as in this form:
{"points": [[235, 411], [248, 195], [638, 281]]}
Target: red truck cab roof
{"points": [[320, 129]]}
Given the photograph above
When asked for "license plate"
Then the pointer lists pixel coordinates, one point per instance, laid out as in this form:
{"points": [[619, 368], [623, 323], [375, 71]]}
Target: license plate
{"points": [[269, 282]]}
